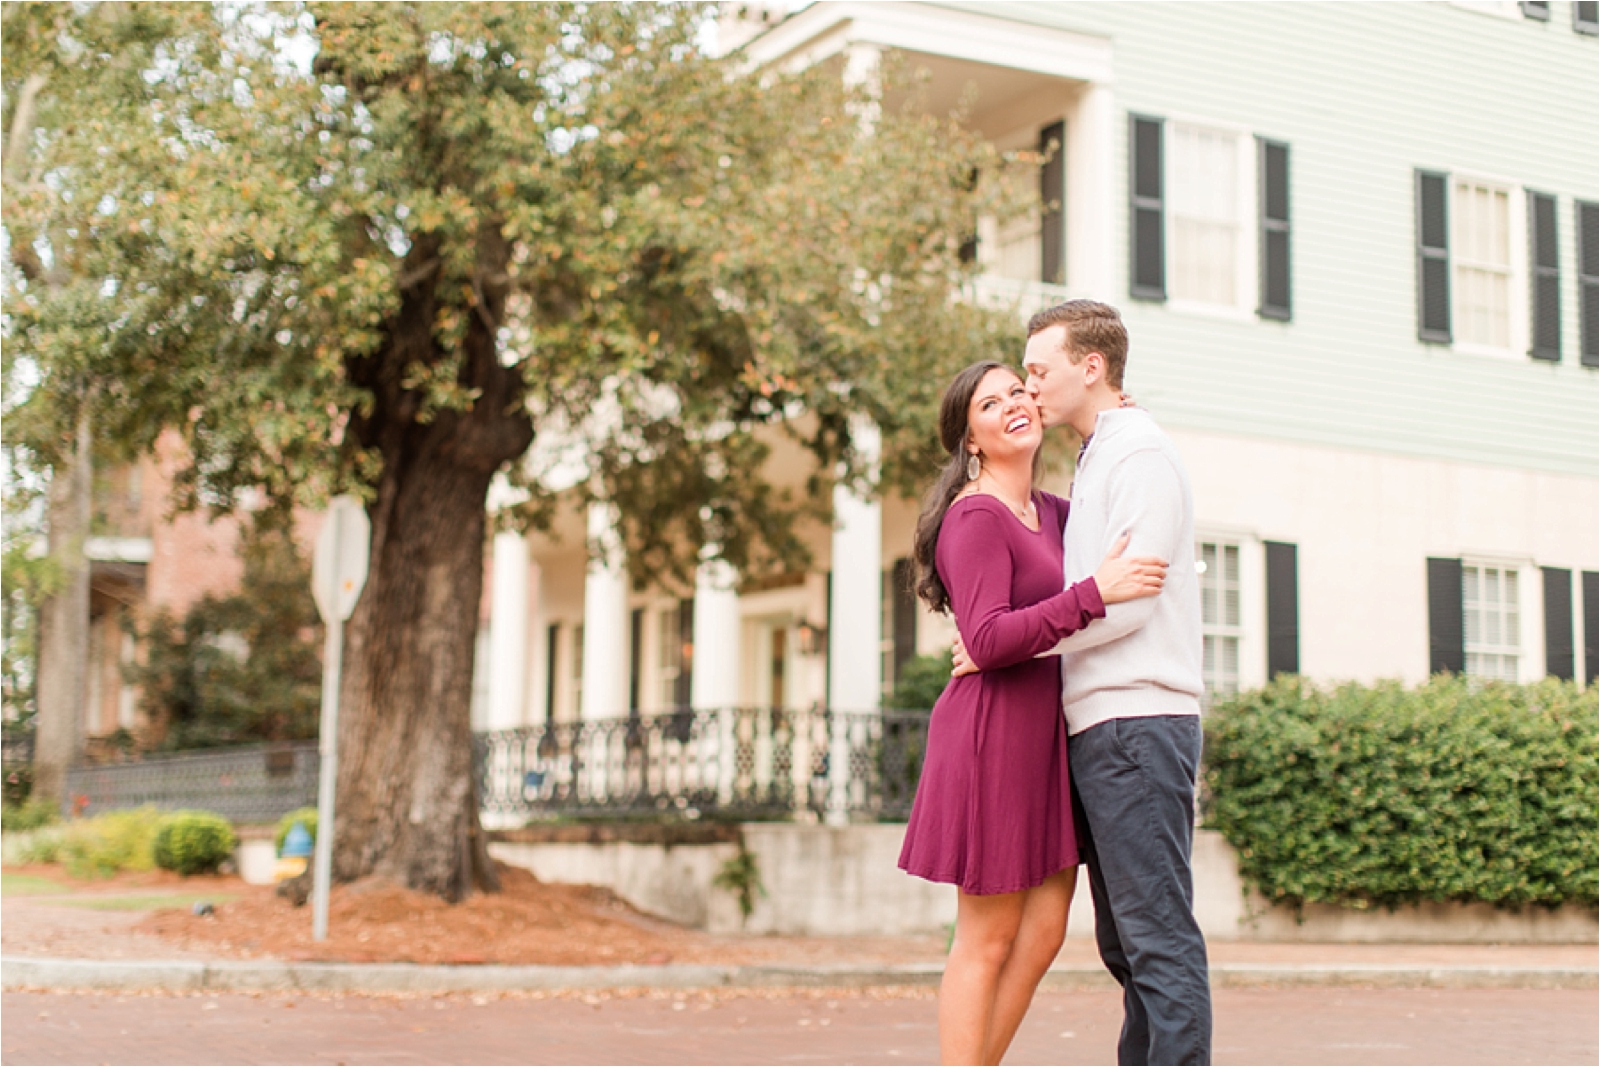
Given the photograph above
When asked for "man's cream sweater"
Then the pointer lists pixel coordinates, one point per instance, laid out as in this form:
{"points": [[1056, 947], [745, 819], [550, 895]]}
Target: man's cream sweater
{"points": [[1143, 658]]}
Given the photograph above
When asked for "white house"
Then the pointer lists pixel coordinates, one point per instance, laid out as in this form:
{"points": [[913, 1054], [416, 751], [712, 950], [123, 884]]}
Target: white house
{"points": [[1355, 247]]}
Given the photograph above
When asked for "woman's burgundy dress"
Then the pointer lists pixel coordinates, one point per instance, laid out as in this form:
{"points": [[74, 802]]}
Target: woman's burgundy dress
{"points": [[993, 812]]}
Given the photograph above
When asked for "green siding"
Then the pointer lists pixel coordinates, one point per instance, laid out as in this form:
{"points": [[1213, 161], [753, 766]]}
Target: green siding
{"points": [[1363, 93]]}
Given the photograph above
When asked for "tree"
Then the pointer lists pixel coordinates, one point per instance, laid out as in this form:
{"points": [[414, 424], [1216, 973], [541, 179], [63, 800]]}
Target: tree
{"points": [[71, 76], [383, 268], [242, 667]]}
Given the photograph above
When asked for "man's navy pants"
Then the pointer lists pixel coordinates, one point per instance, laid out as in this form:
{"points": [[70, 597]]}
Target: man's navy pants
{"points": [[1133, 784]]}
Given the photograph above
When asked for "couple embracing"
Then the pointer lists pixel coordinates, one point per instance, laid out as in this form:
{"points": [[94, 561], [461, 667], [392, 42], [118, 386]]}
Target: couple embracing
{"points": [[1014, 794]]}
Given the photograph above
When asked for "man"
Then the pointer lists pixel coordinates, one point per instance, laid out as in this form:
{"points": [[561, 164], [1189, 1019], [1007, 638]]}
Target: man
{"points": [[1131, 687]]}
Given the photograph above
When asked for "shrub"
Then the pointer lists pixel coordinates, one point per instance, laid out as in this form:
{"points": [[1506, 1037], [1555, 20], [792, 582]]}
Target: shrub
{"points": [[28, 815], [922, 679], [191, 842], [42, 845], [1456, 790], [285, 824], [106, 844]]}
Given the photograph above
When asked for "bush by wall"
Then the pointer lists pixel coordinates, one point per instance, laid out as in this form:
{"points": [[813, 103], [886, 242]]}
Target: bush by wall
{"points": [[192, 842], [922, 680], [105, 844], [1453, 791], [27, 815]]}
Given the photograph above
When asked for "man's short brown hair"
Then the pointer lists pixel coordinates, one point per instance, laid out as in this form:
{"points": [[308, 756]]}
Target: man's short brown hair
{"points": [[1091, 327]]}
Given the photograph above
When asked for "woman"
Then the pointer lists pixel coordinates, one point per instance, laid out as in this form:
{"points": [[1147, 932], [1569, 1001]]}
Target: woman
{"points": [[993, 812]]}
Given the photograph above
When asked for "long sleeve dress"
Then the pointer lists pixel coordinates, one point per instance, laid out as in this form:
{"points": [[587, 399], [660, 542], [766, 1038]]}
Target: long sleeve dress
{"points": [[993, 811]]}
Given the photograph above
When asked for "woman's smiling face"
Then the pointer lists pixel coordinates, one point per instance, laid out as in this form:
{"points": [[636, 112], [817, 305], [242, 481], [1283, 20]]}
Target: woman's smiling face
{"points": [[1003, 420]]}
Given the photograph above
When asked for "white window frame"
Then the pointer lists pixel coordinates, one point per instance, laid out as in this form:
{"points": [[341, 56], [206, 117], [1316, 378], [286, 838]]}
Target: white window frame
{"points": [[1246, 252], [1517, 279], [1252, 627], [669, 641]]}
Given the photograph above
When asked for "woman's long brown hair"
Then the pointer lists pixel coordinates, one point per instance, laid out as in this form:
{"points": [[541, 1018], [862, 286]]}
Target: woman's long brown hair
{"points": [[953, 410]]}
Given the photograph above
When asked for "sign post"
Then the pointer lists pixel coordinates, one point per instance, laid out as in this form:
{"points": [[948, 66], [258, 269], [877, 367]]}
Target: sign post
{"points": [[338, 574]]}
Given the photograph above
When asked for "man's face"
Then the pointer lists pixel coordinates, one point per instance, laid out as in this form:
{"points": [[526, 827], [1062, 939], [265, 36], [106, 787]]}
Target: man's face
{"points": [[1054, 381]]}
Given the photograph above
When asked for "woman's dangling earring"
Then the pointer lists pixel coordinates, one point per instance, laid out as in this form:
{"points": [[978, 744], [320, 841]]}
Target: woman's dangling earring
{"points": [[974, 467]]}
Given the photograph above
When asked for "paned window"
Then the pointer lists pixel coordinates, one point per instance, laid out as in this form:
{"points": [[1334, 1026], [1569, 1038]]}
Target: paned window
{"points": [[1220, 619], [1490, 622], [1203, 199], [1482, 247], [669, 656]]}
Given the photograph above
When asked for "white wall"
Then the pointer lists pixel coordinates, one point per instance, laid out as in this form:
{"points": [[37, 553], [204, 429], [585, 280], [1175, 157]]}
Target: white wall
{"points": [[1365, 524]]}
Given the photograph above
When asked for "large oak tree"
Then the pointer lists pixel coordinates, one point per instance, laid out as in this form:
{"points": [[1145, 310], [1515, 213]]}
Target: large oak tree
{"points": [[384, 248]]}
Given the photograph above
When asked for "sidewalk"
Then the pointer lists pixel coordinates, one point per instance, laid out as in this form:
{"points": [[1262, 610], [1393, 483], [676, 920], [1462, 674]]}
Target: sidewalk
{"points": [[100, 940]]}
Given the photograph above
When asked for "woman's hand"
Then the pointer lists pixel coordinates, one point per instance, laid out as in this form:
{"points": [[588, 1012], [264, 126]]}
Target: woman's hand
{"points": [[1128, 579]]}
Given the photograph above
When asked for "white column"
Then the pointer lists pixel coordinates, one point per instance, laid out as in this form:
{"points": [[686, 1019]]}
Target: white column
{"points": [[855, 631], [508, 632], [715, 681], [1093, 196], [539, 666], [605, 619]]}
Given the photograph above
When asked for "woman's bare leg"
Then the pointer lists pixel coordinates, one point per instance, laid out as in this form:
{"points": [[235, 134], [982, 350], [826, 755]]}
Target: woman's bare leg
{"points": [[1038, 942], [986, 929]]}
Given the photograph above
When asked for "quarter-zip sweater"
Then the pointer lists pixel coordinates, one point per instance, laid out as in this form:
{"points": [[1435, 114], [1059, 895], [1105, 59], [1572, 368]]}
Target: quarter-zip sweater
{"points": [[1143, 658]]}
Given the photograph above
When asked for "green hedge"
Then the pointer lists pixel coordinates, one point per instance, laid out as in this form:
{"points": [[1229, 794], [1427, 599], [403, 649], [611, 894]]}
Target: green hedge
{"points": [[191, 842], [1456, 790]]}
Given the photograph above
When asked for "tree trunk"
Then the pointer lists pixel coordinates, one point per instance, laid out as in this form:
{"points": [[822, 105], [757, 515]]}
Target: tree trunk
{"points": [[64, 623], [407, 805]]}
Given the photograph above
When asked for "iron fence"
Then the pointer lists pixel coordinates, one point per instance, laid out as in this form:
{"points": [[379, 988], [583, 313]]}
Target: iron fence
{"points": [[734, 762], [248, 783], [16, 744], [750, 762]]}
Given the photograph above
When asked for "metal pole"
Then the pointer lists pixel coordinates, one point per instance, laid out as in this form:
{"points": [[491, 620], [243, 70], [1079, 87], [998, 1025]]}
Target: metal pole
{"points": [[328, 749]]}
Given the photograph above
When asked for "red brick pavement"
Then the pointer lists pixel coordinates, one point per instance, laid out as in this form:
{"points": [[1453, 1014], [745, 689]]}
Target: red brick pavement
{"points": [[1267, 1026]]}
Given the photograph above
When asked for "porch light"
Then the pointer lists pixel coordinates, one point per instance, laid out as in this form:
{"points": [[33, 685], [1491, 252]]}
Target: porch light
{"points": [[813, 639]]}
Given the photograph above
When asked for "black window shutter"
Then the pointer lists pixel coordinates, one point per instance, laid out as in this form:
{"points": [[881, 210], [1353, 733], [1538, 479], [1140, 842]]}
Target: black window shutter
{"points": [[1588, 218], [1545, 278], [1272, 163], [552, 645], [1446, 640], [683, 688], [1283, 610], [1433, 256], [1591, 626], [827, 656], [1586, 17], [905, 615], [635, 664], [1053, 194], [1147, 242], [1557, 622], [1536, 9]]}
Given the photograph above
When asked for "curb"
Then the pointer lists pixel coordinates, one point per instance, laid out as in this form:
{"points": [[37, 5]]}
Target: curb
{"points": [[21, 972]]}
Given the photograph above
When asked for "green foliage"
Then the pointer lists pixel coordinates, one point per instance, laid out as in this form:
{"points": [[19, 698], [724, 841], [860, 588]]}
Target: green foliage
{"points": [[105, 844], [244, 667], [308, 816], [1457, 790], [18, 784], [741, 876], [192, 842], [28, 815], [921, 682]]}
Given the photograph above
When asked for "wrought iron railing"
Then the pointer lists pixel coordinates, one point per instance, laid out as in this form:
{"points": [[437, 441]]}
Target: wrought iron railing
{"points": [[16, 744], [728, 762], [248, 783], [750, 762]]}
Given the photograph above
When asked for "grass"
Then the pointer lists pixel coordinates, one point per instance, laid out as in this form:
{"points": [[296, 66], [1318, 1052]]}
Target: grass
{"points": [[27, 885], [148, 902]]}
